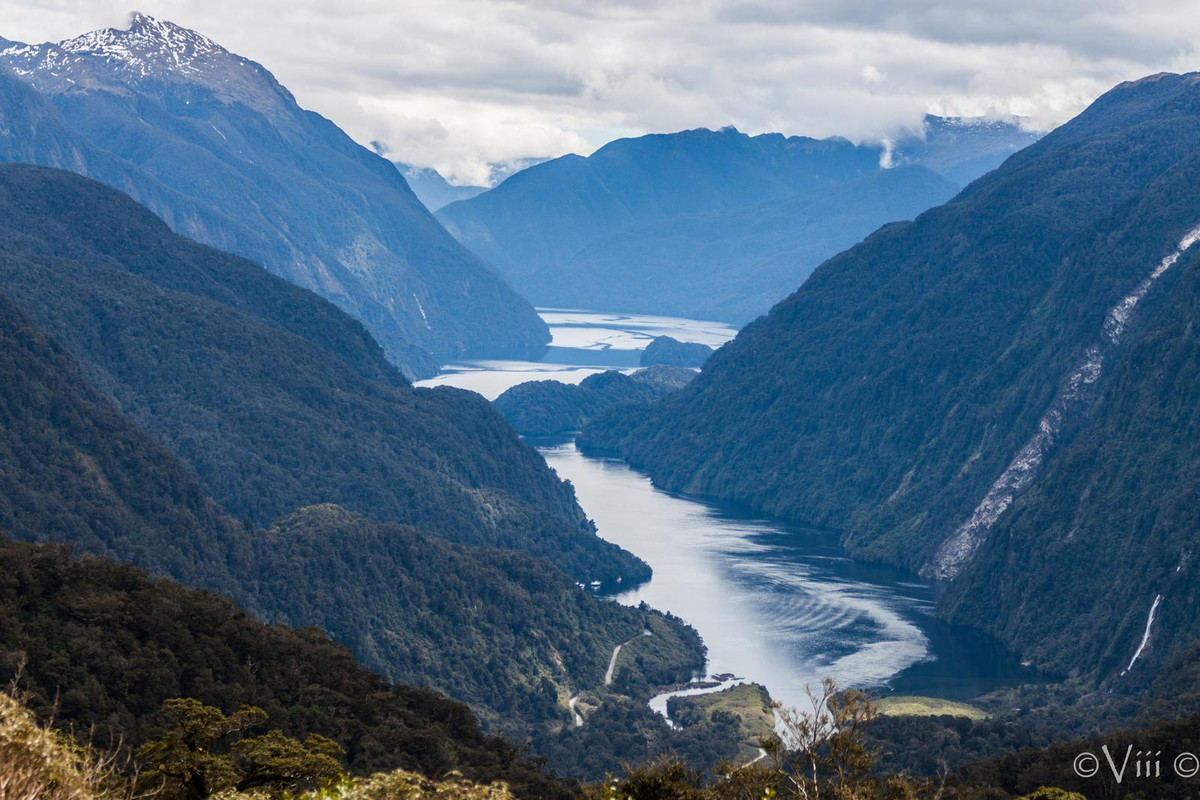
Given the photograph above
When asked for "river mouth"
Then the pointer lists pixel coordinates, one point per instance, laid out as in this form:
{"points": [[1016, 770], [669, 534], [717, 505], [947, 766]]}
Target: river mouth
{"points": [[775, 603]]}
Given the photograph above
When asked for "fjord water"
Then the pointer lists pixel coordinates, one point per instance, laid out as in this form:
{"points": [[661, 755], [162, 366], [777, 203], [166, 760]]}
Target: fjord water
{"points": [[777, 604], [583, 343]]}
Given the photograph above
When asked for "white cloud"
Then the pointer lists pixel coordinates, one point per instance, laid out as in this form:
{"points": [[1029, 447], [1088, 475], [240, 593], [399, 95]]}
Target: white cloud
{"points": [[871, 75], [457, 84]]}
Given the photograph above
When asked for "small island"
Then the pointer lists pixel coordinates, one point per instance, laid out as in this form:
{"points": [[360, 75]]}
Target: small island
{"points": [[546, 408], [671, 352]]}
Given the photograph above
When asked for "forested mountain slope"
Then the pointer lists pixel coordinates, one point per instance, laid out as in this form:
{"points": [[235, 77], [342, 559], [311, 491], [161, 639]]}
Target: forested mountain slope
{"points": [[99, 647], [990, 391], [211, 142], [508, 633], [272, 396], [710, 224], [73, 469], [1121, 500]]}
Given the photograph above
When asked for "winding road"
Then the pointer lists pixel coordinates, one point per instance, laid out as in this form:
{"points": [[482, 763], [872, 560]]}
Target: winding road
{"points": [[578, 717], [612, 662], [608, 676]]}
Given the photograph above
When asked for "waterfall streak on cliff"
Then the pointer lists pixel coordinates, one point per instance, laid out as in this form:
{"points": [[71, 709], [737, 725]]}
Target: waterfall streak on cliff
{"points": [[1073, 396]]}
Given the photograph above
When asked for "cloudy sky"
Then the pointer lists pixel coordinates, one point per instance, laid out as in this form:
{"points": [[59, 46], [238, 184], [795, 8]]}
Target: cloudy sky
{"points": [[459, 84]]}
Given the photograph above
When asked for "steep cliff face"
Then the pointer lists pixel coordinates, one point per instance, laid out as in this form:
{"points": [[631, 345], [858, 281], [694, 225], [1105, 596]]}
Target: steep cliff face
{"points": [[920, 389], [1092, 569], [215, 145]]}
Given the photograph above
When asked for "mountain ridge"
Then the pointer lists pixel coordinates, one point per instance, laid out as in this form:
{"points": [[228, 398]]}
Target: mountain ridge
{"points": [[709, 224], [77, 469], [274, 398], [253, 173]]}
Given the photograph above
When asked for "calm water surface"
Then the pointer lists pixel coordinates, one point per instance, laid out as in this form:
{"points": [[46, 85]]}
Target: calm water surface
{"points": [[779, 604], [583, 343], [776, 603]]}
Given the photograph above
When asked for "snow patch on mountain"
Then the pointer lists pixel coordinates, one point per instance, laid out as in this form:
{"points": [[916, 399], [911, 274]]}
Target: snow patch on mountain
{"points": [[148, 45], [149, 49]]}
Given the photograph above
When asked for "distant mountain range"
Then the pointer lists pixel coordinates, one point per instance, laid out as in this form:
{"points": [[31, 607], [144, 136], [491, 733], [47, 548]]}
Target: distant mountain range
{"points": [[435, 191], [711, 224], [1000, 393], [211, 142], [432, 189]]}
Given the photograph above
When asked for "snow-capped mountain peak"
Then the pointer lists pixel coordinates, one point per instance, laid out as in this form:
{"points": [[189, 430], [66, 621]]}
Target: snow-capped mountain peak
{"points": [[147, 45], [149, 50]]}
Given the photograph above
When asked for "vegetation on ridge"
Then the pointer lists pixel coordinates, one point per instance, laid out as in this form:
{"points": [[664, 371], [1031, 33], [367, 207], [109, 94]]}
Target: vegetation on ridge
{"points": [[546, 408], [196, 760], [272, 397]]}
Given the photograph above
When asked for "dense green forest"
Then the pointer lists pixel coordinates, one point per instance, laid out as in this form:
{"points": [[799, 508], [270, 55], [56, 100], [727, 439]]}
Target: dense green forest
{"points": [[1022, 772], [108, 651], [101, 645], [899, 382], [505, 631], [510, 635], [672, 352], [270, 395], [625, 731], [543, 408], [74, 469]]}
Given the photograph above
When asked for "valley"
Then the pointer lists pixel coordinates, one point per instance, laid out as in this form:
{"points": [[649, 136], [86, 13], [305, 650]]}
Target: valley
{"points": [[559, 428], [777, 604]]}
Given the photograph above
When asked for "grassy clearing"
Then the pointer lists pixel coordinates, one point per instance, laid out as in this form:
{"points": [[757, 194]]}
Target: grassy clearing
{"points": [[748, 701], [912, 706]]}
